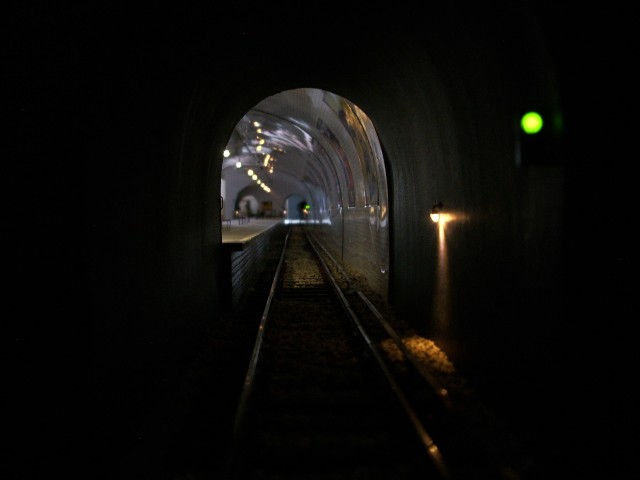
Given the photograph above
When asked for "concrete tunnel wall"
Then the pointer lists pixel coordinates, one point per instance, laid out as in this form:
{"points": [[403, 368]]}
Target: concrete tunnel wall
{"points": [[442, 103]]}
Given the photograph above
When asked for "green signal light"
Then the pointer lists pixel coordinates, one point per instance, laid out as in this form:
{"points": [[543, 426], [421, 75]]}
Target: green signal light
{"points": [[531, 122], [307, 206]]}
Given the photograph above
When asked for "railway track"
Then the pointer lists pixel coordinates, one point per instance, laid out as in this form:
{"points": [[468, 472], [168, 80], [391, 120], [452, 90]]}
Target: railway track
{"points": [[323, 398]]}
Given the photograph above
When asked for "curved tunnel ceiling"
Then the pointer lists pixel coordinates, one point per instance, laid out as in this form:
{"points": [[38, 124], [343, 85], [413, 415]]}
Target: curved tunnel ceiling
{"points": [[299, 142]]}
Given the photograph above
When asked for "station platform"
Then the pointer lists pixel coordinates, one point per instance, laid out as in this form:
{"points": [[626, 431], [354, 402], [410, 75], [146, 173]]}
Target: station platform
{"points": [[237, 233]]}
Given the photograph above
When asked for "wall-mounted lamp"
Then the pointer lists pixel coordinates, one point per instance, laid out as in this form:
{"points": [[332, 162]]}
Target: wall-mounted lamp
{"points": [[435, 212]]}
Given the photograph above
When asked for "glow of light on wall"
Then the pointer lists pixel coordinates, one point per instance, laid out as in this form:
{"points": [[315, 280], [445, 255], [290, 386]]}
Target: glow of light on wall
{"points": [[442, 297]]}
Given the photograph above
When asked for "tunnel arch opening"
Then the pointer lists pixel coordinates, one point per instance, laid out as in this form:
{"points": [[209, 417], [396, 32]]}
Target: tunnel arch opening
{"points": [[317, 146], [247, 206]]}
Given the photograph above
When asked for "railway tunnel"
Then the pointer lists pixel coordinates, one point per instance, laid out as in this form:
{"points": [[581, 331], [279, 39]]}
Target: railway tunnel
{"points": [[374, 132]]}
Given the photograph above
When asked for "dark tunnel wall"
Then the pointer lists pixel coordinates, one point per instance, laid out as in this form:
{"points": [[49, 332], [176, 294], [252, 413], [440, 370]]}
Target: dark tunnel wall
{"points": [[442, 104], [155, 99]]}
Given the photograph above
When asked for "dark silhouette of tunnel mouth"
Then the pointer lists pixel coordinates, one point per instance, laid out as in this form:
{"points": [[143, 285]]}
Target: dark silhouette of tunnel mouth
{"points": [[442, 97]]}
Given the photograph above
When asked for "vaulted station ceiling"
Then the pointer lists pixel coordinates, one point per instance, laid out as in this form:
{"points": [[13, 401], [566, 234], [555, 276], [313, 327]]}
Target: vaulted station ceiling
{"points": [[303, 142]]}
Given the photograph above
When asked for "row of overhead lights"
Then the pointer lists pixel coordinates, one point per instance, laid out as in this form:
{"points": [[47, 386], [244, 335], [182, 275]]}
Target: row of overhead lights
{"points": [[268, 161], [258, 181]]}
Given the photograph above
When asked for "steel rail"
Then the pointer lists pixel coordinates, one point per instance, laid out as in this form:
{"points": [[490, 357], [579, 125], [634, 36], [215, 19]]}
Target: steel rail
{"points": [[441, 392], [247, 388], [431, 447]]}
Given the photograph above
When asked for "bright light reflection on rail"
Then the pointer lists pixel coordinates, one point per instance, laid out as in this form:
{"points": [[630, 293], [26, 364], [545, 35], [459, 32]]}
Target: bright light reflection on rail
{"points": [[296, 221]]}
